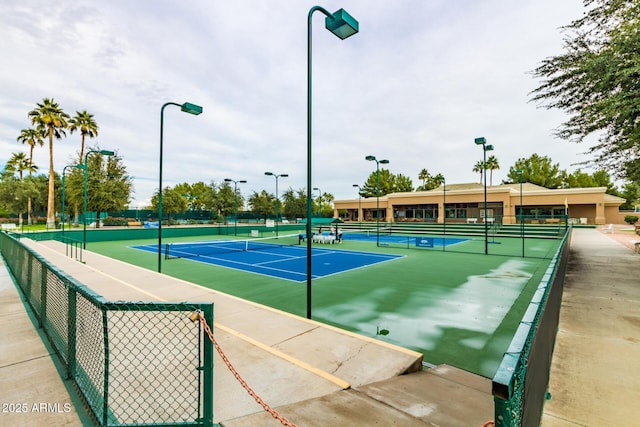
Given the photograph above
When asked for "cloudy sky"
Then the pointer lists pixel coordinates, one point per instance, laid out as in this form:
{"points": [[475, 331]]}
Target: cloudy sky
{"points": [[415, 86]]}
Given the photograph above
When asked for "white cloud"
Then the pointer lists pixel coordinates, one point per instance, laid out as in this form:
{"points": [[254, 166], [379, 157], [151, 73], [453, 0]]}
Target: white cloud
{"points": [[415, 86]]}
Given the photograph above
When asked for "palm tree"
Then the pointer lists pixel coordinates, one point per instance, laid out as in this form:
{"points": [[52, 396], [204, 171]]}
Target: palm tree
{"points": [[83, 121], [52, 122], [479, 167], [423, 176], [492, 164], [32, 137], [20, 163]]}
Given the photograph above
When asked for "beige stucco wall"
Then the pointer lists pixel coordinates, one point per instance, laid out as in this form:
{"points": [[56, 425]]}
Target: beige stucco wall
{"points": [[591, 204]]}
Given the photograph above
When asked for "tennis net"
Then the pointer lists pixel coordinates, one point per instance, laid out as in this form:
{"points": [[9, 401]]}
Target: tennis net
{"points": [[213, 247]]}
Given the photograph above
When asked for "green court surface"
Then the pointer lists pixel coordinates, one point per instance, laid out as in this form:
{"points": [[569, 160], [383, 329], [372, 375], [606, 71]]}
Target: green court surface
{"points": [[459, 307]]}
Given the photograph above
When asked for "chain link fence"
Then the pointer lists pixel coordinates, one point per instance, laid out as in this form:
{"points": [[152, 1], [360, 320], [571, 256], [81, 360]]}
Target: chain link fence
{"points": [[521, 382], [133, 363]]}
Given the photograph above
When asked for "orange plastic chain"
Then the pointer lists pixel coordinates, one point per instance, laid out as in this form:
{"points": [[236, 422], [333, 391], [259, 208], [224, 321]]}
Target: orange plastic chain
{"points": [[244, 384]]}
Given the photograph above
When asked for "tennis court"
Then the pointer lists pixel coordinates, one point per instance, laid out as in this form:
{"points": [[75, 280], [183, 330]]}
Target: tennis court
{"points": [[453, 303], [283, 257]]}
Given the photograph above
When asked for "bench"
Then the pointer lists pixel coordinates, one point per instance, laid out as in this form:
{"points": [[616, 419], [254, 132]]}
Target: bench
{"points": [[134, 224], [9, 226], [489, 220], [472, 220], [324, 238]]}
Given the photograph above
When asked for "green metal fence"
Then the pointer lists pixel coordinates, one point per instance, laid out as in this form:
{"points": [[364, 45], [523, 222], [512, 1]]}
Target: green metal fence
{"points": [[522, 379], [133, 363]]}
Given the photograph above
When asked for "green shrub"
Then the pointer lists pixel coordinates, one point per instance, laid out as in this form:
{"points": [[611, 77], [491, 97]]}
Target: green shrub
{"points": [[631, 219], [114, 221]]}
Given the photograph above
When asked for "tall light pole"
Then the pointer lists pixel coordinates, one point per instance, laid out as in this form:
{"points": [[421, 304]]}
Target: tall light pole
{"points": [[519, 172], [319, 199], [378, 162], [235, 201], [186, 108], [64, 172], [86, 175], [359, 202], [444, 214], [485, 147], [283, 175], [342, 25]]}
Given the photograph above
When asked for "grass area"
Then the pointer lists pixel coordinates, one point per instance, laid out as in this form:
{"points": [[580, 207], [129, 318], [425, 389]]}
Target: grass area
{"points": [[458, 307]]}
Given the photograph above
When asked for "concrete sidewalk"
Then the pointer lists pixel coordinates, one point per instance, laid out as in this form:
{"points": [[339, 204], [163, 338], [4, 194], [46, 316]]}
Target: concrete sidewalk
{"points": [[595, 373], [33, 393]]}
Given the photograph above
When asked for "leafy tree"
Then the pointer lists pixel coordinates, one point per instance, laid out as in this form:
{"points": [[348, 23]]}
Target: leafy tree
{"points": [[537, 170], [631, 192], [492, 164], [83, 122], [173, 202], [295, 203], [225, 199], [597, 81], [108, 185], [479, 167], [578, 179], [202, 196], [38, 190], [11, 194], [51, 120], [387, 184], [603, 179], [19, 163], [402, 184], [262, 203]]}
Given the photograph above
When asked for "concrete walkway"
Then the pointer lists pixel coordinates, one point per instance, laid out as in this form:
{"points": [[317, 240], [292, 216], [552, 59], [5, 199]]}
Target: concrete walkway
{"points": [[595, 377], [595, 373], [33, 393]]}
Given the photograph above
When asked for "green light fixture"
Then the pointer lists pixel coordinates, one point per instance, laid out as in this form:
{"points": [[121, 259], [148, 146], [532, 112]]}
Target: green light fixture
{"points": [[190, 108], [341, 24]]}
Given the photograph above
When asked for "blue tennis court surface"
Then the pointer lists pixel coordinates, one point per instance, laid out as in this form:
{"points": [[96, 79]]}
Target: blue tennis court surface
{"points": [[283, 262], [400, 240]]}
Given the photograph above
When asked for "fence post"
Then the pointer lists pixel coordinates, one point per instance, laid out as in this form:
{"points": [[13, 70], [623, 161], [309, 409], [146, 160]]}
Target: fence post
{"points": [[71, 332], [42, 318], [107, 366], [207, 394]]}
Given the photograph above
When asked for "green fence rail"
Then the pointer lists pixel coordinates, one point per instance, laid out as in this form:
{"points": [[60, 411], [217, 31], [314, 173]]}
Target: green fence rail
{"points": [[133, 363], [520, 385]]}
